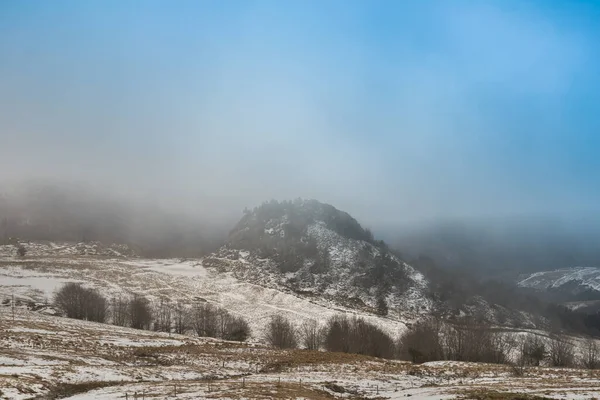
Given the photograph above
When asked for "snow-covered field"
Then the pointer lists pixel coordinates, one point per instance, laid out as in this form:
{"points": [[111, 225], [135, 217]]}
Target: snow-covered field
{"points": [[52, 357], [35, 278], [43, 356]]}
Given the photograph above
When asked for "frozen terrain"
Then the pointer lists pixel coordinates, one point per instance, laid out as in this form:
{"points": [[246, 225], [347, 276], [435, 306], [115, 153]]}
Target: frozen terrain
{"points": [[35, 278], [51, 357], [575, 279]]}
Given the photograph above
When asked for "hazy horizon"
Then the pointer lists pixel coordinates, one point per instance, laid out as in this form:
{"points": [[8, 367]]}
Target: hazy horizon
{"points": [[399, 113]]}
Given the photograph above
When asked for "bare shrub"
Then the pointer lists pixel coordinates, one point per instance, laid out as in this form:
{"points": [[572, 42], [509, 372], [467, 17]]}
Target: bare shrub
{"points": [[211, 321], [312, 334], [533, 350], [75, 301], [281, 333], [235, 328], [337, 334], [562, 352], [357, 336], [140, 312], [181, 318], [204, 320], [162, 316], [591, 354], [369, 339], [421, 343], [382, 307], [475, 341], [21, 250], [518, 368], [120, 311]]}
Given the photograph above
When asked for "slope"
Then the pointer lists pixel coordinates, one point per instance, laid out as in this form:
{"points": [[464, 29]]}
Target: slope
{"points": [[315, 250]]}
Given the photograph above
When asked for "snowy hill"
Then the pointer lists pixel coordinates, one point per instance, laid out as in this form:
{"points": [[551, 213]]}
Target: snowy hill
{"points": [[34, 279], [66, 249], [574, 281], [315, 250]]}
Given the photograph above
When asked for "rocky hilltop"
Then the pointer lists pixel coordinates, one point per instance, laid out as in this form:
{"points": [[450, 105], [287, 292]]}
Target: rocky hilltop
{"points": [[314, 249]]}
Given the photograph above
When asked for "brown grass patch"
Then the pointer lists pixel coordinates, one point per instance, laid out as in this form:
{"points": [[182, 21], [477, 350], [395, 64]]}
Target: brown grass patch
{"points": [[71, 389], [265, 390], [482, 394]]}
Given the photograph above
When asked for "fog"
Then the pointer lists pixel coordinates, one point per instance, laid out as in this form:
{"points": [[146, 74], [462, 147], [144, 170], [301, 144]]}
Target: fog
{"points": [[401, 114]]}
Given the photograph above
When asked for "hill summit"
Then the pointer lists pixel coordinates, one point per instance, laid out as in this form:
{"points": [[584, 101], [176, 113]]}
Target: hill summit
{"points": [[314, 249]]}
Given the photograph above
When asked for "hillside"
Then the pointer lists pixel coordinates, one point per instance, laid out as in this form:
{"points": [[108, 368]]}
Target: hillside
{"points": [[576, 281], [35, 278], [304, 258], [51, 357], [313, 249]]}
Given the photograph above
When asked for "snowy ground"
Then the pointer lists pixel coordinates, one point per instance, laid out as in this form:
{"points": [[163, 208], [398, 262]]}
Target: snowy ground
{"points": [[43, 356], [35, 278], [588, 278], [51, 357]]}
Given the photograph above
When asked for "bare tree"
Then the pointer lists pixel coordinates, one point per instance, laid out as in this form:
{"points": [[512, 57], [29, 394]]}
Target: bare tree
{"points": [[281, 333], [591, 354], [140, 312], [162, 316], [474, 340], [120, 311], [204, 320], [312, 334], [421, 343], [562, 352], [75, 301], [337, 334], [368, 339], [181, 318]]}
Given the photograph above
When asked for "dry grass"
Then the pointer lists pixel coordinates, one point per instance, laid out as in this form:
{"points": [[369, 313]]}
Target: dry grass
{"points": [[67, 390], [269, 391], [483, 394]]}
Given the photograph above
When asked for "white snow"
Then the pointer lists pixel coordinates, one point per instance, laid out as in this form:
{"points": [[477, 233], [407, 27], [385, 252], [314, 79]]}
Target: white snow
{"points": [[586, 277]]}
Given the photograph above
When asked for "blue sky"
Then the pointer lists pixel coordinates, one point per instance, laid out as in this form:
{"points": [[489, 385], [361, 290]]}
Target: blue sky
{"points": [[392, 110]]}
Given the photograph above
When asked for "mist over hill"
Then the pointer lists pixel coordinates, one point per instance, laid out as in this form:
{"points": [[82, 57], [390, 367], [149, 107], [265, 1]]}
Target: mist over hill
{"points": [[79, 213], [502, 247]]}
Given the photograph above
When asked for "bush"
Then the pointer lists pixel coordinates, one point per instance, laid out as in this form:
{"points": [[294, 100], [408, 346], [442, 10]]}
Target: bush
{"points": [[562, 352], [204, 320], [281, 333], [337, 334], [181, 318], [421, 343], [533, 350], [140, 313], [235, 328], [120, 309], [211, 321], [312, 335], [75, 301], [475, 341], [162, 315], [591, 354], [357, 336], [21, 251]]}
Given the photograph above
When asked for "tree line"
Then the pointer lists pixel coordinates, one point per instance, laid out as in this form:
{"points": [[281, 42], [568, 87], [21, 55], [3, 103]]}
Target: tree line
{"points": [[475, 340], [76, 301], [468, 339]]}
